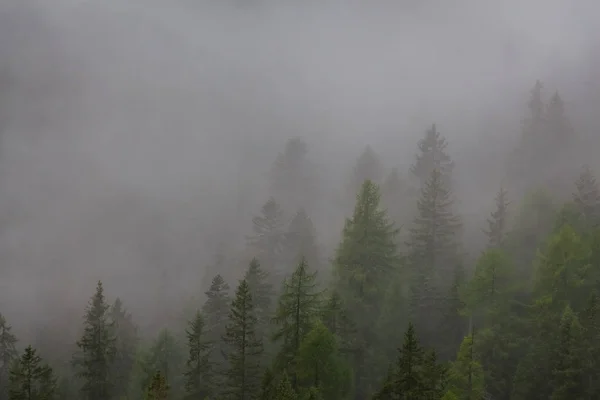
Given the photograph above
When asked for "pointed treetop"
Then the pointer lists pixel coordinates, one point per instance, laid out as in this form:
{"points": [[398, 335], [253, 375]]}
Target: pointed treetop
{"points": [[432, 155]]}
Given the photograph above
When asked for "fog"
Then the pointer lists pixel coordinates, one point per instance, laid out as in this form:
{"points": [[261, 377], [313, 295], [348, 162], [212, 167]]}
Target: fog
{"points": [[136, 134]]}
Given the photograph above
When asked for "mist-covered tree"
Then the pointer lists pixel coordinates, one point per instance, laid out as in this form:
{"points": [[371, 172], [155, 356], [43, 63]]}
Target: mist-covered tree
{"points": [[368, 166], [432, 156], [558, 127], [433, 255], [293, 179], [8, 353], [498, 221], [30, 379], [300, 242], [364, 260], [394, 197], [126, 340], [158, 389], [466, 374], [587, 198], [569, 368], [198, 372], [244, 347], [97, 349], [297, 309], [167, 356], [216, 311], [263, 296], [335, 316], [268, 237]]}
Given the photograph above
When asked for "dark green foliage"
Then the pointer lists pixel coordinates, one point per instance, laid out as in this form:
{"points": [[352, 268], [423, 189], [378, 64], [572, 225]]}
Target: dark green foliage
{"points": [[263, 296], [300, 242], [297, 309], [96, 349], [158, 389], [244, 347], [126, 340], [215, 312], [268, 237], [569, 366], [432, 156], [8, 353], [167, 356], [363, 263], [32, 380], [498, 221], [198, 372], [466, 378], [284, 390], [587, 198]]}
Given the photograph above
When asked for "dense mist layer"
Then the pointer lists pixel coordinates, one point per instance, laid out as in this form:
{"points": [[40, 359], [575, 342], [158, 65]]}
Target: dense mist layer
{"points": [[136, 135]]}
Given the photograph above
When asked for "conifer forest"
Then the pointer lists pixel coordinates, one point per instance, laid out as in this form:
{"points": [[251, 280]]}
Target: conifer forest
{"points": [[288, 248]]}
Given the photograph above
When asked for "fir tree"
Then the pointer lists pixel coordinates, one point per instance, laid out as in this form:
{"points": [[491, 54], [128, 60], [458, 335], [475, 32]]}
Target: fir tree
{"points": [[298, 306], [368, 166], [284, 390], [466, 374], [32, 380], [166, 355], [263, 295], [364, 261], [96, 349], [198, 372], [300, 242], [8, 353], [433, 255], [244, 347], [568, 373], [215, 311], [336, 319], [158, 389], [590, 323], [496, 230], [126, 340], [558, 127], [587, 198], [432, 156], [268, 237]]}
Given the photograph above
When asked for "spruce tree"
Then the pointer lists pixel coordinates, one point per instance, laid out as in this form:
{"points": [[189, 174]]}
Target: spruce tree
{"points": [[30, 379], [297, 309], [126, 340], [363, 263], [558, 127], [587, 198], [8, 353], [284, 389], [433, 156], [433, 255], [466, 374], [590, 322], [497, 223], [569, 369], [268, 237], [368, 166], [198, 373], [300, 242], [263, 297], [336, 319], [243, 346], [96, 349], [215, 311], [158, 389], [166, 355]]}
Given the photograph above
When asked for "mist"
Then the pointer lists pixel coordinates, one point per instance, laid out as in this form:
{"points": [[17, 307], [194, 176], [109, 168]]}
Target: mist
{"points": [[136, 135]]}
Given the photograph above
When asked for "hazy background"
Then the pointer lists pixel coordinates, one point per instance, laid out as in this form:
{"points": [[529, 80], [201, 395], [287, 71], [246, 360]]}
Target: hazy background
{"points": [[136, 134]]}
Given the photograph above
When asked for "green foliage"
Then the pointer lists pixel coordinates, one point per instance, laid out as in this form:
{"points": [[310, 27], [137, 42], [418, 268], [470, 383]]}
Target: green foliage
{"points": [[165, 355], [433, 157], [466, 374], [8, 353], [158, 389], [126, 341], [198, 372], [284, 390], [215, 312], [32, 380], [369, 167], [300, 242], [568, 372], [244, 347], [96, 349], [587, 198], [268, 237], [498, 221]]}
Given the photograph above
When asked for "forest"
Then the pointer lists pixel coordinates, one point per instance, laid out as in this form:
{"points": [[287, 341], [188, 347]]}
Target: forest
{"points": [[402, 308]]}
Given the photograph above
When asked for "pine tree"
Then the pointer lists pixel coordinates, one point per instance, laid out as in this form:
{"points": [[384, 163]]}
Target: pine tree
{"points": [[300, 241], [587, 198], [364, 261], [432, 156], [126, 340], [215, 311], [8, 353], [268, 237], [336, 319], [96, 349], [433, 255], [558, 127], [568, 373], [32, 380], [466, 374], [590, 322], [244, 347], [263, 296], [166, 355], [369, 167], [158, 388], [284, 390], [297, 309], [198, 372], [496, 230]]}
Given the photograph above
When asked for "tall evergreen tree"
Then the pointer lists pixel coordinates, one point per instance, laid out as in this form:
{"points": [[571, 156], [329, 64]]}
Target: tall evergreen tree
{"points": [[32, 380], [268, 237], [126, 340], [8, 353], [297, 309], [497, 223], [433, 255], [368, 166], [558, 127], [166, 355], [198, 372], [433, 156], [300, 242], [244, 347], [466, 375], [363, 263], [336, 318], [587, 198], [215, 311], [263, 297], [96, 349], [569, 370]]}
